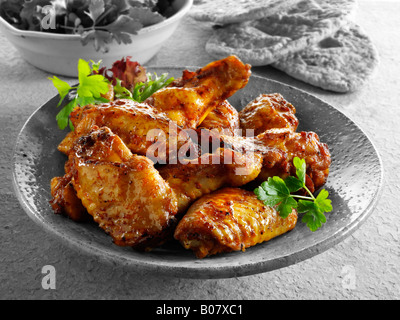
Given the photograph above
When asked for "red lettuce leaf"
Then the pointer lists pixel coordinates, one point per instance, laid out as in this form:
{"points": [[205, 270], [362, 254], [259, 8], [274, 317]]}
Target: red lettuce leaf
{"points": [[129, 72]]}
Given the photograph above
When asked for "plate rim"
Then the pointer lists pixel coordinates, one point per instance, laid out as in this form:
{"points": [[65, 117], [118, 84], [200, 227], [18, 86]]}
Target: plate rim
{"points": [[193, 271]]}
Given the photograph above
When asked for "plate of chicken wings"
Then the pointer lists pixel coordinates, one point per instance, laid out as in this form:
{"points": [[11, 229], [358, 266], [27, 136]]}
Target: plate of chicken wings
{"points": [[166, 186]]}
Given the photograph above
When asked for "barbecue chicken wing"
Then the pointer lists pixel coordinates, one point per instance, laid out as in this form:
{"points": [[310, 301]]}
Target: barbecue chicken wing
{"points": [[275, 138], [123, 192], [224, 118], [65, 201], [305, 145], [189, 100], [111, 177], [186, 102], [192, 179], [230, 219], [139, 126], [268, 111], [278, 148]]}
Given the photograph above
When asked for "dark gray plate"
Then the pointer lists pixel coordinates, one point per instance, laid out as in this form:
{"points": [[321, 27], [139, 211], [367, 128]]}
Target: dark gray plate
{"points": [[354, 185]]}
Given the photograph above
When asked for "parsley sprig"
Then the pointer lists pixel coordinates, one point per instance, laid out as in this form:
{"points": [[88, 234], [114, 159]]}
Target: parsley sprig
{"points": [[278, 193], [88, 91], [93, 86]]}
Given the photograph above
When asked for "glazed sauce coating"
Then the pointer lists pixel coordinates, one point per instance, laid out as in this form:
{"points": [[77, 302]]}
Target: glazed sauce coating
{"points": [[230, 219]]}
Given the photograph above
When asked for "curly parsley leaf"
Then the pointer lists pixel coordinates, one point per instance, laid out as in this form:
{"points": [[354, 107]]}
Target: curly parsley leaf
{"points": [[276, 192]]}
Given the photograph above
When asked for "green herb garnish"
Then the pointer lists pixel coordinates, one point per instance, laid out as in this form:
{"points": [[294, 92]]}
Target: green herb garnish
{"points": [[89, 91], [278, 193], [142, 90], [93, 85], [97, 21]]}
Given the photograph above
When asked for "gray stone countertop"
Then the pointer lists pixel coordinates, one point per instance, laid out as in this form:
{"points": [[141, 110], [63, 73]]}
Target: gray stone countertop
{"points": [[370, 256]]}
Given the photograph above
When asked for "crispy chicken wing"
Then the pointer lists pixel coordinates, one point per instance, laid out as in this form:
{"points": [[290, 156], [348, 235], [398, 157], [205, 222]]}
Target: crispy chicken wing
{"points": [[305, 145], [186, 102], [275, 138], [65, 201], [268, 111], [139, 126], [278, 148], [224, 118], [194, 178], [230, 219], [190, 99], [123, 192]]}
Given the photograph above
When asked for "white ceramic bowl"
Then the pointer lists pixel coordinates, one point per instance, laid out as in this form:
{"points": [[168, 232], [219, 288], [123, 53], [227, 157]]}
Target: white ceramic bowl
{"points": [[59, 53]]}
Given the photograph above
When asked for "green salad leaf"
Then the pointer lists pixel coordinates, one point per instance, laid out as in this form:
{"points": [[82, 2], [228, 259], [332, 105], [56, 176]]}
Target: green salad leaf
{"points": [[142, 91], [98, 21], [88, 91], [93, 85]]}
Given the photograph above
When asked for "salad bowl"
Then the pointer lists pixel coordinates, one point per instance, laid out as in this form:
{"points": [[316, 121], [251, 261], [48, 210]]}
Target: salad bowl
{"points": [[59, 53]]}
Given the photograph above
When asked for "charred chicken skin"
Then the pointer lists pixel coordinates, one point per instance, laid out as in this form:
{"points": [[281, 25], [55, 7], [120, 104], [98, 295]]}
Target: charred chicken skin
{"points": [[305, 145], [184, 104], [195, 178], [189, 100], [230, 219], [277, 149], [65, 201], [268, 111], [139, 126], [274, 123], [123, 192], [224, 118]]}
